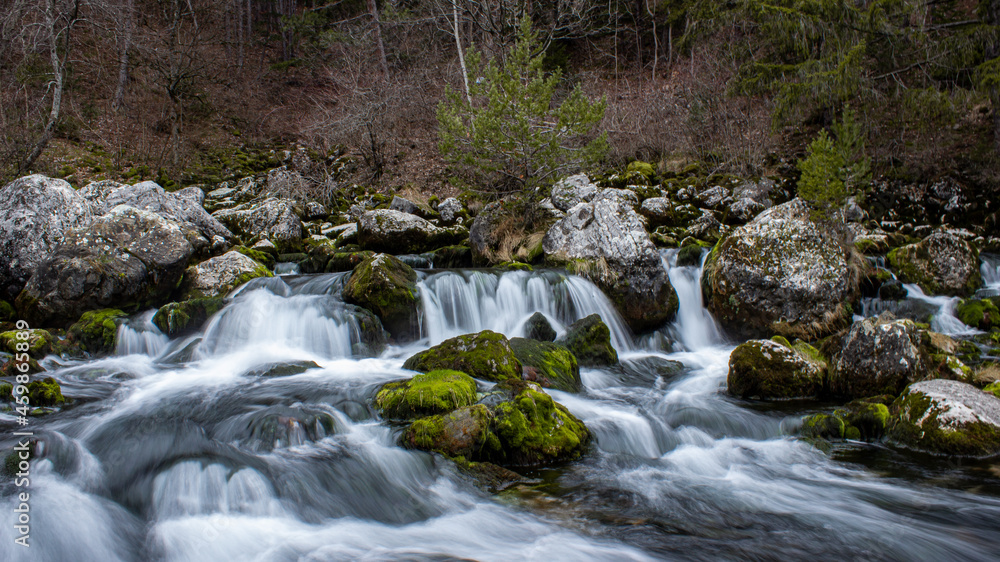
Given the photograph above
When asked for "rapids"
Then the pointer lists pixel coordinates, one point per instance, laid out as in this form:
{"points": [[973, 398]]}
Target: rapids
{"points": [[189, 450]]}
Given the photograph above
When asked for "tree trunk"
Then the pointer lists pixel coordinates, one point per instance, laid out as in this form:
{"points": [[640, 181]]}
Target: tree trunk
{"points": [[173, 83], [992, 51], [461, 55], [373, 10], [123, 57]]}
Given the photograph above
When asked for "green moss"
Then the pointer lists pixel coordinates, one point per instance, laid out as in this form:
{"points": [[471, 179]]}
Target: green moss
{"points": [[533, 429], [589, 340], [993, 388], [917, 426], [45, 392], [386, 286], [95, 331], [436, 392], [641, 167], [39, 342], [869, 418], [463, 432], [760, 369], [13, 460], [823, 426], [548, 364], [187, 316], [979, 313], [782, 340], [264, 258], [689, 255], [6, 392], [7, 312], [515, 266], [486, 355]]}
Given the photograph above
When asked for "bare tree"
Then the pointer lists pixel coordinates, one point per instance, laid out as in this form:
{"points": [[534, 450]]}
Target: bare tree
{"points": [[127, 24]]}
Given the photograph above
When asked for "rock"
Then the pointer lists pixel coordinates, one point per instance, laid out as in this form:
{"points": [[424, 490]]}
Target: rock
{"points": [[589, 340], [179, 318], [486, 355], [760, 192], [316, 211], [35, 213], [218, 276], [606, 241], [706, 228], [689, 255], [714, 197], [406, 206], [96, 330], [768, 370], [571, 191], [39, 342], [437, 392], [274, 219], [464, 432], [395, 232], [489, 230], [182, 207], [782, 273], [548, 364], [979, 313], [532, 429], [452, 257], [880, 355], [96, 192], [386, 286], [127, 258], [263, 257], [193, 195], [942, 263], [12, 368], [947, 418], [345, 234], [45, 392], [450, 210], [823, 426], [538, 328], [743, 210], [660, 211]]}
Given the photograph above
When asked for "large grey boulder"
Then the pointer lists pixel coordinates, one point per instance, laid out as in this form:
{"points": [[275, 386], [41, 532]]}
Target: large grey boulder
{"points": [[782, 273], [570, 192], [450, 209], [606, 241], [940, 263], [126, 259], [217, 276], [880, 355], [770, 370], [396, 232], [272, 218], [947, 417], [35, 212]]}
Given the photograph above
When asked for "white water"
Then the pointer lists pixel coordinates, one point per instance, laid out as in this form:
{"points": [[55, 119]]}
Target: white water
{"points": [[139, 336], [990, 271], [207, 459], [944, 321]]}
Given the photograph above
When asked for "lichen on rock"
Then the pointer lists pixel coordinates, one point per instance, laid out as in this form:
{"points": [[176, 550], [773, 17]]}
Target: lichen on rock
{"points": [[486, 355]]}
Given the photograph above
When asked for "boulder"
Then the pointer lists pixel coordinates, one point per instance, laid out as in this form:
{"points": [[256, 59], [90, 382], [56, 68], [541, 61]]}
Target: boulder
{"points": [[219, 275], [488, 230], [96, 330], [179, 318], [39, 342], [486, 355], [436, 392], [538, 328], [463, 432], [946, 417], [589, 340], [769, 370], [661, 211], [404, 205], [570, 192], [782, 273], [548, 364], [35, 213], [532, 429], [942, 263], [979, 313], [272, 219], [606, 241], [880, 355], [183, 207], [450, 210], [396, 232], [127, 259], [388, 287]]}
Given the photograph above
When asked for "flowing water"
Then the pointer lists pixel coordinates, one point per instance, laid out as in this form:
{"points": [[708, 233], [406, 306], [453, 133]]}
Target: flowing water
{"points": [[196, 449]]}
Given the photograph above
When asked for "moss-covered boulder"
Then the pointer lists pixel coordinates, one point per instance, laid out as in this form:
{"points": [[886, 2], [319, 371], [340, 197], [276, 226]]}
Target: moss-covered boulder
{"points": [[548, 364], [39, 342], [218, 276], [947, 418], [532, 429], [12, 368], [45, 392], [589, 340], [538, 328], [782, 273], [95, 331], [7, 312], [942, 263], [386, 230], [823, 426], [867, 418], [179, 318], [879, 356], [265, 258], [486, 355], [388, 287], [768, 370], [437, 392], [979, 313], [689, 255], [463, 432]]}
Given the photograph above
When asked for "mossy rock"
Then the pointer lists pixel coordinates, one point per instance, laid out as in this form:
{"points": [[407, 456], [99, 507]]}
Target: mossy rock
{"points": [[39, 342], [265, 258], [945, 417], [346, 261], [870, 417], [823, 426], [979, 313], [644, 168], [437, 392], [942, 263], [6, 392], [689, 255], [7, 312], [993, 388], [452, 257], [12, 368], [486, 355], [96, 330], [11, 463], [538, 328], [281, 369], [463, 432], [45, 392], [589, 340], [178, 318], [548, 364], [532, 429], [388, 287], [768, 370]]}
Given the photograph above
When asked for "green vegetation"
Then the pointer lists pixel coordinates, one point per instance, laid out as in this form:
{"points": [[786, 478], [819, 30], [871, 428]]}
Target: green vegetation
{"points": [[548, 364], [437, 392], [589, 340], [95, 331], [835, 169], [486, 355]]}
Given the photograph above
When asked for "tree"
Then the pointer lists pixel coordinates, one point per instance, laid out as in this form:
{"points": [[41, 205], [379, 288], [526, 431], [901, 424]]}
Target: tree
{"points": [[835, 169], [511, 135]]}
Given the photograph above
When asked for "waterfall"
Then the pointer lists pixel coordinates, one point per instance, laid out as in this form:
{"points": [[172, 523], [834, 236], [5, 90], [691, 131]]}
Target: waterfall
{"points": [[140, 336], [944, 320], [463, 302], [990, 271], [694, 327]]}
